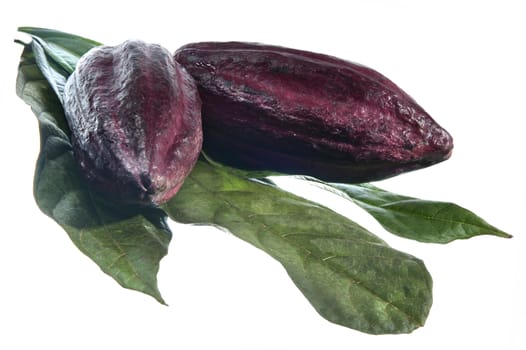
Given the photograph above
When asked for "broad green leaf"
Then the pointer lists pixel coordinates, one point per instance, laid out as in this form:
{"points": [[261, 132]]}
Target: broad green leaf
{"points": [[417, 219], [350, 276], [126, 243]]}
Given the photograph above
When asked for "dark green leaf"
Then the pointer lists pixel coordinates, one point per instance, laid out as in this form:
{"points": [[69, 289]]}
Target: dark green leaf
{"points": [[127, 243], [421, 220], [350, 276]]}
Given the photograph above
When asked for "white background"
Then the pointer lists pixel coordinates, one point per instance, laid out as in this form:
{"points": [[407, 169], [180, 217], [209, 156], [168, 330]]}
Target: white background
{"points": [[462, 61]]}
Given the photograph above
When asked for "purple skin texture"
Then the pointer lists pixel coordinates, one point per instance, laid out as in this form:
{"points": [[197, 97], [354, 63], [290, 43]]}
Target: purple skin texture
{"points": [[135, 120], [285, 110]]}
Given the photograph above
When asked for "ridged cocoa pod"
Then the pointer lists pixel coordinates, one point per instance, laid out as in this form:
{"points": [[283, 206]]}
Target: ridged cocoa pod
{"points": [[135, 120], [286, 110]]}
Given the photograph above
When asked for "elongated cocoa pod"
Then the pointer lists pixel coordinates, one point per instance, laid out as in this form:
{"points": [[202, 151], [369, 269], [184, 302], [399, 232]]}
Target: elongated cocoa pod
{"points": [[286, 110], [134, 115]]}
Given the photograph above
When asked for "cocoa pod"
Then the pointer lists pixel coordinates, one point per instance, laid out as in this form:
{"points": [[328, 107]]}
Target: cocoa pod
{"points": [[135, 120], [280, 109]]}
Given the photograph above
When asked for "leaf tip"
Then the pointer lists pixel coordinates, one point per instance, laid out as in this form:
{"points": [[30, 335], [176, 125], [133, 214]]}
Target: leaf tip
{"points": [[499, 233], [26, 30], [161, 300]]}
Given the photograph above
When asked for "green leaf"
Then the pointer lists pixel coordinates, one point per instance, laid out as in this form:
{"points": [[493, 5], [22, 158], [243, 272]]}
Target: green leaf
{"points": [[417, 219], [64, 48], [350, 276], [127, 243], [57, 54]]}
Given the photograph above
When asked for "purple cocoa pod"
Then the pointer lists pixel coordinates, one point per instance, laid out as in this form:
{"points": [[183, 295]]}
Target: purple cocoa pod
{"points": [[291, 111], [135, 120]]}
